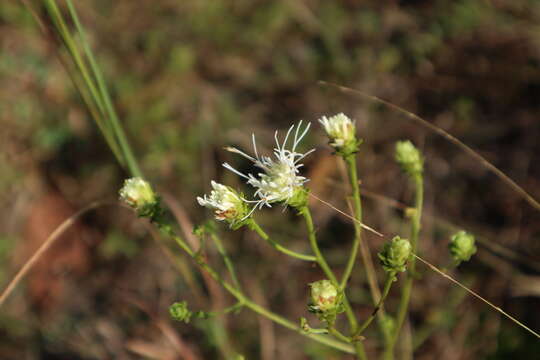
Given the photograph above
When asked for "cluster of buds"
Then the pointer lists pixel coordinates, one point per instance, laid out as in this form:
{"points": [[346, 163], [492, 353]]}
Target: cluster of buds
{"points": [[409, 158], [395, 254], [325, 300], [228, 205], [139, 195], [462, 246], [341, 131]]}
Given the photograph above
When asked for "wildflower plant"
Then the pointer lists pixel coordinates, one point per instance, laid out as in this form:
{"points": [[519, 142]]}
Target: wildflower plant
{"points": [[279, 181]]}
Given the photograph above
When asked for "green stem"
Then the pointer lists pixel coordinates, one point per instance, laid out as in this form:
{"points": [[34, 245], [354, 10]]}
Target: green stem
{"points": [[371, 274], [255, 227], [226, 259], [411, 271], [240, 297], [332, 330], [353, 178], [359, 348], [387, 285]]}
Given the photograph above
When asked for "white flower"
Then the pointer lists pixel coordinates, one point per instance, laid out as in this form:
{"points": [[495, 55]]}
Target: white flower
{"points": [[339, 128], [137, 193], [225, 202], [280, 180]]}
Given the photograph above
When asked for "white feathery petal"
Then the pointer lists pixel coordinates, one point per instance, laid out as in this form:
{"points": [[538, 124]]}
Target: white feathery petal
{"points": [[280, 178]]}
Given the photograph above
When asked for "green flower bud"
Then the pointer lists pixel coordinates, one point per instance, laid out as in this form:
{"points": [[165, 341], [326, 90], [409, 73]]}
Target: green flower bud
{"points": [[409, 158], [395, 255], [462, 246], [180, 312], [324, 297], [138, 194], [342, 134]]}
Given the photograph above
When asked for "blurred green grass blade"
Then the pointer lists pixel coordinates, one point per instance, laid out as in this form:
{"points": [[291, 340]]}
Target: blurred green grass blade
{"points": [[105, 96], [89, 80], [85, 85]]}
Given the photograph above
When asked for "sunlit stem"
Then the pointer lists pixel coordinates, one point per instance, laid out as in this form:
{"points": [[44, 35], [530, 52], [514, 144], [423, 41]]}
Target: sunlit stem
{"points": [[411, 271], [255, 227]]}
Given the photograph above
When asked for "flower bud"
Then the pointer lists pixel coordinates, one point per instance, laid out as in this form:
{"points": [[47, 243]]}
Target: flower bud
{"points": [[342, 133], [138, 194], [227, 204], [324, 296], [395, 255], [462, 246], [179, 311], [409, 158]]}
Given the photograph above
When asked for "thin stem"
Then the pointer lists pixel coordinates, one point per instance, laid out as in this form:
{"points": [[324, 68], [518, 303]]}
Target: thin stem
{"points": [[226, 259], [411, 271], [364, 249], [353, 323], [390, 279], [332, 330], [255, 227], [240, 297], [315, 247], [353, 179]]}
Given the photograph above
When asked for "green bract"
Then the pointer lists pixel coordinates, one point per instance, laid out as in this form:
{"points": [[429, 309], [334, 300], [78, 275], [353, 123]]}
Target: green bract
{"points": [[299, 198], [462, 246], [409, 158], [395, 255]]}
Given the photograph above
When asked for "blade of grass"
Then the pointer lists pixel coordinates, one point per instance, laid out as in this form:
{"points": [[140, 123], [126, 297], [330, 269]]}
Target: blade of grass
{"points": [[118, 131]]}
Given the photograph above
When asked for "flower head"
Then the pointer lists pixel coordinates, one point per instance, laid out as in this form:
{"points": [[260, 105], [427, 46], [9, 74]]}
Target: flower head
{"points": [[226, 203], [409, 158], [462, 246], [324, 296], [341, 132], [395, 255], [138, 194], [280, 181]]}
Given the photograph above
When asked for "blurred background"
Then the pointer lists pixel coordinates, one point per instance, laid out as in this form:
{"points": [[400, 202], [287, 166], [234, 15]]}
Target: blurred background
{"points": [[189, 77]]}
